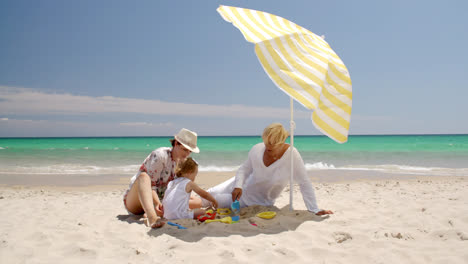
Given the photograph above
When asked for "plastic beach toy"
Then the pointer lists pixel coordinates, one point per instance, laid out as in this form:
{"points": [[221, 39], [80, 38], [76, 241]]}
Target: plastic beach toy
{"points": [[226, 220], [266, 215], [235, 207], [208, 216], [223, 211], [174, 224]]}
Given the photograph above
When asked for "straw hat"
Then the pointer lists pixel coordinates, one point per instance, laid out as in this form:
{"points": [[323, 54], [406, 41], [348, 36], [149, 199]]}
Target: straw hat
{"points": [[188, 139]]}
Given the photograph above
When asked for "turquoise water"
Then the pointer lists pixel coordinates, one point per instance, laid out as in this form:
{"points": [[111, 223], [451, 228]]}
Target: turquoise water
{"points": [[415, 154]]}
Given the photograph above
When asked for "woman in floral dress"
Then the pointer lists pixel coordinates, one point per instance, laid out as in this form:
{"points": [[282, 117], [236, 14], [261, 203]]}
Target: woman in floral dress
{"points": [[148, 185]]}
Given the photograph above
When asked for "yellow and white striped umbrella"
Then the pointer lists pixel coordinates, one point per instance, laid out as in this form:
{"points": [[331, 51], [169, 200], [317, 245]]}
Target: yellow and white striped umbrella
{"points": [[301, 64]]}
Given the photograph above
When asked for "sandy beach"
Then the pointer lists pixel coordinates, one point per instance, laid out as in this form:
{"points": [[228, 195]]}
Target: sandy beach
{"points": [[413, 220]]}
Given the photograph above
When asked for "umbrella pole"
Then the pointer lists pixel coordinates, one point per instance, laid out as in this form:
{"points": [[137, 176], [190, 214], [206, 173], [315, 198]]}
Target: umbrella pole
{"points": [[292, 156]]}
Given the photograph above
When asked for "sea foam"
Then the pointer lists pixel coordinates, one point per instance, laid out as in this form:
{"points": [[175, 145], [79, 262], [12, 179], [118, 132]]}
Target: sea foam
{"points": [[392, 168], [81, 169]]}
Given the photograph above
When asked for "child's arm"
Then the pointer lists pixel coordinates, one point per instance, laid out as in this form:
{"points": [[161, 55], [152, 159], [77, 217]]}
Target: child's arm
{"points": [[191, 186]]}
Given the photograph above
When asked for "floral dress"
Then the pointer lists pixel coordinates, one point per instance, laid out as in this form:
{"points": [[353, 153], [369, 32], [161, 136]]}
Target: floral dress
{"points": [[160, 167]]}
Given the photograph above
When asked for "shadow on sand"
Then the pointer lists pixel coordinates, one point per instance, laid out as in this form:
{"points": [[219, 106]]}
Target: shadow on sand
{"points": [[249, 224]]}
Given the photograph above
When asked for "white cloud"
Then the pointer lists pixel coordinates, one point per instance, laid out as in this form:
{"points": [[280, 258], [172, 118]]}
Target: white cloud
{"points": [[89, 116], [52, 128], [139, 124], [23, 101]]}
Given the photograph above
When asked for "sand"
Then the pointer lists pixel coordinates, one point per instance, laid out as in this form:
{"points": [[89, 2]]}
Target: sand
{"points": [[414, 220]]}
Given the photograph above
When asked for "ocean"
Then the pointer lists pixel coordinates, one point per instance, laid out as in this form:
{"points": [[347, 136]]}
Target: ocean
{"points": [[438, 155]]}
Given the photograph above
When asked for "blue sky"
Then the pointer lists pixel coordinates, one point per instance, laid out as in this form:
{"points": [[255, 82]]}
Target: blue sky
{"points": [[149, 68]]}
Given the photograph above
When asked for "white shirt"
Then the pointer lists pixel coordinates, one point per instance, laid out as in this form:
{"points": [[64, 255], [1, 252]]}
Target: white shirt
{"points": [[262, 185], [176, 200]]}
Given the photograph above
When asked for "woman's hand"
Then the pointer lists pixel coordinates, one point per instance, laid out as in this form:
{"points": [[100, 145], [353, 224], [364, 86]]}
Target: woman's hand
{"points": [[159, 209], [236, 194], [324, 212]]}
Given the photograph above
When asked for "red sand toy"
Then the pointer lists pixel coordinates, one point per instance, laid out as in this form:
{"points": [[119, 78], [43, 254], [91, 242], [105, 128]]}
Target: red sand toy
{"points": [[209, 215]]}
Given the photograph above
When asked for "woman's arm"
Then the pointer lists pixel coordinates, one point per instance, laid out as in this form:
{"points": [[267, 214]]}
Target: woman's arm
{"points": [[154, 163], [244, 171], [300, 176], [242, 174], [157, 203]]}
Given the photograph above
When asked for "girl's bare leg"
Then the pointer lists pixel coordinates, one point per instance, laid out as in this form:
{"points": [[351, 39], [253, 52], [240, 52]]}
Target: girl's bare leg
{"points": [[140, 200]]}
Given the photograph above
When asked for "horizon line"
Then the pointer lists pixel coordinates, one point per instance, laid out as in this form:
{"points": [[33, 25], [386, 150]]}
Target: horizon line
{"points": [[201, 136]]}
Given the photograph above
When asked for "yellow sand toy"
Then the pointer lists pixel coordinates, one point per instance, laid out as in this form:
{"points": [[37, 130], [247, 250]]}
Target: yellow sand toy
{"points": [[234, 218], [266, 215], [226, 220], [223, 211]]}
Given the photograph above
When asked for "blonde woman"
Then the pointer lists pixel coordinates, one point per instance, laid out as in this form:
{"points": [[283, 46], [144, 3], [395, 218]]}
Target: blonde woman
{"points": [[265, 173]]}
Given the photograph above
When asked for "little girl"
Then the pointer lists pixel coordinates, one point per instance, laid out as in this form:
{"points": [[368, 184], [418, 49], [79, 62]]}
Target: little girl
{"points": [[177, 196]]}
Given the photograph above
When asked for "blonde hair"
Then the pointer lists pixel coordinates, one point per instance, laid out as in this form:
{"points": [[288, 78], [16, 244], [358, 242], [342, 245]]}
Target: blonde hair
{"points": [[274, 134], [186, 167]]}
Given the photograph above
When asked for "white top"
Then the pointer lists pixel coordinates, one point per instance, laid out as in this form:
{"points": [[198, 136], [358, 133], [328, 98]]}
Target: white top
{"points": [[176, 200], [262, 185]]}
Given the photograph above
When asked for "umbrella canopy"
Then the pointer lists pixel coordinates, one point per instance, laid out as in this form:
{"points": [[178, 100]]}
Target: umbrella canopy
{"points": [[301, 64]]}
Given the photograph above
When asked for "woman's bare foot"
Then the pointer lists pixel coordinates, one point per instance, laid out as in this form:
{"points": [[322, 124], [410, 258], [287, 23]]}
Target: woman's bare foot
{"points": [[324, 212], [156, 222]]}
